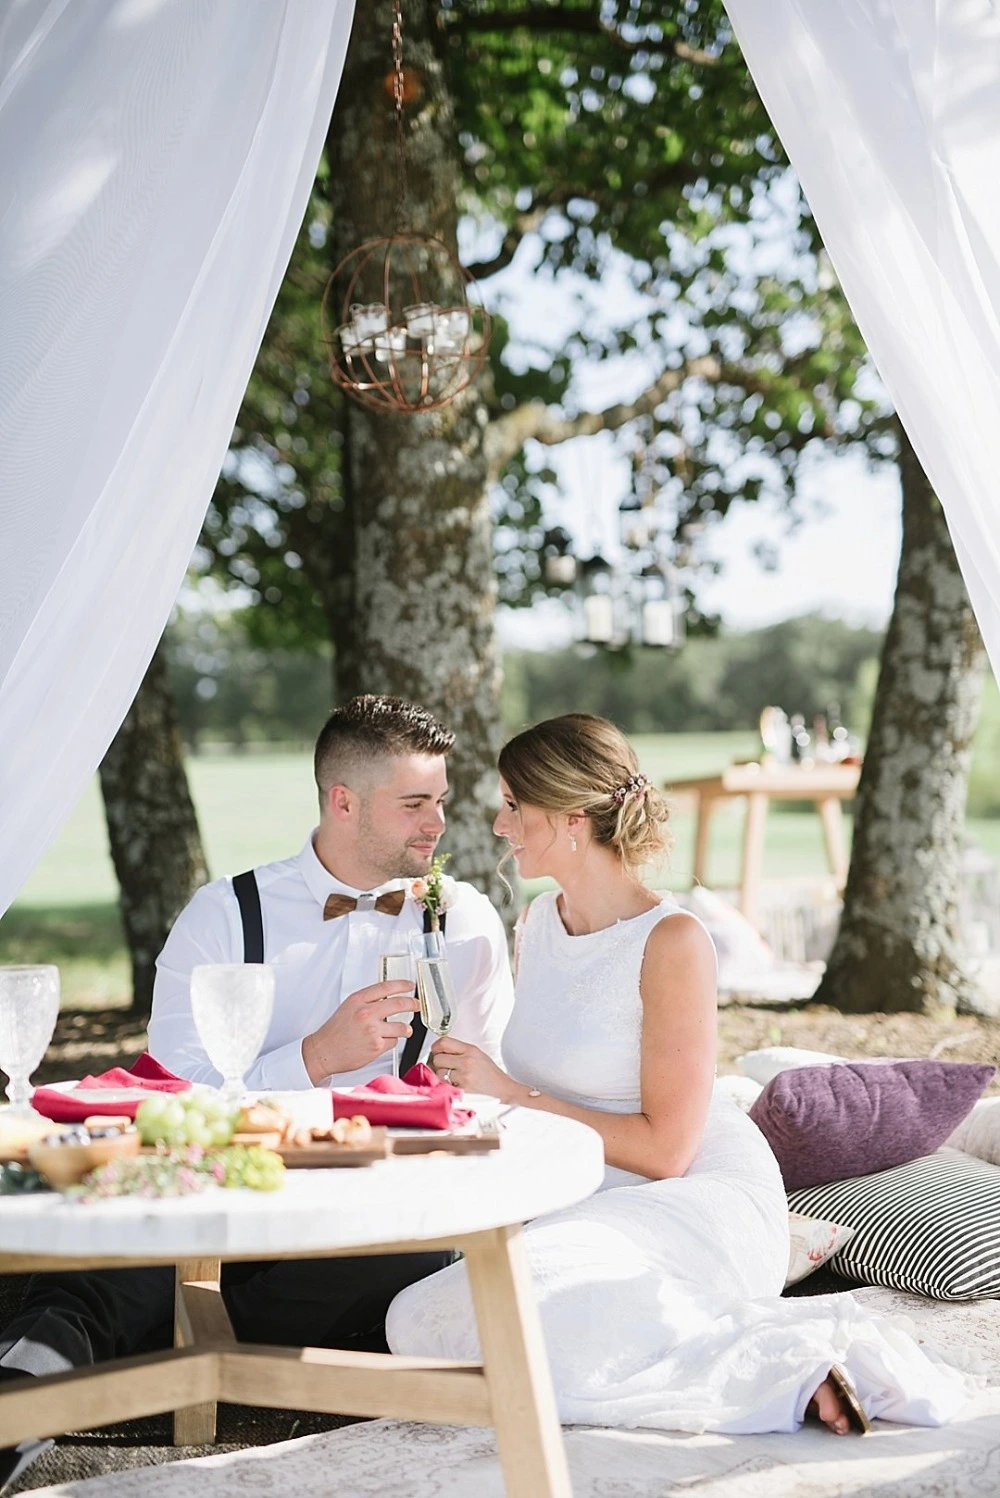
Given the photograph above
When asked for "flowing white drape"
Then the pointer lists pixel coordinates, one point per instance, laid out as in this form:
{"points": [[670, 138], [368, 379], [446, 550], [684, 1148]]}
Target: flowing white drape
{"points": [[890, 113], [156, 158]]}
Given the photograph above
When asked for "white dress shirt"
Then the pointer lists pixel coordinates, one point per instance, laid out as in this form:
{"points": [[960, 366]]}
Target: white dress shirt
{"points": [[317, 964]]}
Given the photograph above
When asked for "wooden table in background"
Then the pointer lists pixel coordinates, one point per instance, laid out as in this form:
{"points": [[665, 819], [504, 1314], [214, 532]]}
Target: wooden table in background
{"points": [[411, 1204], [825, 785]]}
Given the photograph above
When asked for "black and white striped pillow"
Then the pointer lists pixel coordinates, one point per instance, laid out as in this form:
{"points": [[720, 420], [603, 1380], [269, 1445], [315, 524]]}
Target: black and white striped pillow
{"points": [[932, 1226]]}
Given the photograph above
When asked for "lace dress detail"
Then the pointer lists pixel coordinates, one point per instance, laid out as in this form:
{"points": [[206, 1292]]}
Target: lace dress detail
{"points": [[660, 1300]]}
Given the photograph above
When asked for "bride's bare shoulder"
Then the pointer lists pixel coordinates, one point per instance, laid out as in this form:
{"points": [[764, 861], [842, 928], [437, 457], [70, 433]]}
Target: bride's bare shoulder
{"points": [[679, 941]]}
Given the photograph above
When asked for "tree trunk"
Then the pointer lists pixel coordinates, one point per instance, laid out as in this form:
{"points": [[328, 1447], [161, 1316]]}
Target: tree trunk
{"points": [[897, 947], [420, 617], [152, 827]]}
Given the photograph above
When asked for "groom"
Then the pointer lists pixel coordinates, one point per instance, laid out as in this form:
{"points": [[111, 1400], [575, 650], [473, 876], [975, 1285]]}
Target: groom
{"points": [[321, 918]]}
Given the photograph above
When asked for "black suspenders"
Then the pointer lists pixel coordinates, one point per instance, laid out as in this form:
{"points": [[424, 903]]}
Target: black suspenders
{"points": [[248, 898]]}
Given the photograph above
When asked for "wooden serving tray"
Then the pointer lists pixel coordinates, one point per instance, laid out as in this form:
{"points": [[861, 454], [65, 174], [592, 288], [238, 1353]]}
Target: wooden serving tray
{"points": [[324, 1154], [444, 1143]]}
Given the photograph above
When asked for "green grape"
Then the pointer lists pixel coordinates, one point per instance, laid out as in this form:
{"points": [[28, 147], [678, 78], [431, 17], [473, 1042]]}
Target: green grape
{"points": [[220, 1131], [252, 1167], [194, 1121], [174, 1114], [149, 1119]]}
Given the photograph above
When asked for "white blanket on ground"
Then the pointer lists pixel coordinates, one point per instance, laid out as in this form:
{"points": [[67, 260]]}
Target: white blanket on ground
{"points": [[961, 1460]]}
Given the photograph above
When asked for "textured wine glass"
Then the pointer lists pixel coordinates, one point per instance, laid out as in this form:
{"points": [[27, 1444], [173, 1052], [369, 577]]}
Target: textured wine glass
{"points": [[232, 1004], [29, 1008]]}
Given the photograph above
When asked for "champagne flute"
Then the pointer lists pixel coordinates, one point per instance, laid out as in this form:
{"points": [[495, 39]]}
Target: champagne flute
{"points": [[232, 1004], [436, 993], [397, 967], [29, 1008]]}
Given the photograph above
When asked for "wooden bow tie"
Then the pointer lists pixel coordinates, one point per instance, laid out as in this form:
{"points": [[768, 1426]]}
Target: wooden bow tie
{"points": [[388, 904]]}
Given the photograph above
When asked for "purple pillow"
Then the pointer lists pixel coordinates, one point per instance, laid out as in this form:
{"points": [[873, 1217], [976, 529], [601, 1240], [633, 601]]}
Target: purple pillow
{"points": [[825, 1123]]}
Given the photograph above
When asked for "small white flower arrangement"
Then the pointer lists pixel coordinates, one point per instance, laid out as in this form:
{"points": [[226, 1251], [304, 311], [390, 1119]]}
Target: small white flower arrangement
{"points": [[437, 892]]}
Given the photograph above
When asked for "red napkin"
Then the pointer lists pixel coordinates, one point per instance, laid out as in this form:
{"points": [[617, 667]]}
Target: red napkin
{"points": [[420, 1100], [147, 1073]]}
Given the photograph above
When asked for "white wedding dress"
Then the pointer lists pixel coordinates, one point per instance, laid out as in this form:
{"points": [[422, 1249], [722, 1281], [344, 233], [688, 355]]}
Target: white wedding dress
{"points": [[660, 1300]]}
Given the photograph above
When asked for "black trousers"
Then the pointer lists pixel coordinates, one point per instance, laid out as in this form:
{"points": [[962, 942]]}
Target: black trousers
{"points": [[71, 1320]]}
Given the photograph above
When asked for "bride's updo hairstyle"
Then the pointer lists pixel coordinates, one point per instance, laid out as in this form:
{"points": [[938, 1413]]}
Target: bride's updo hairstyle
{"points": [[582, 763]]}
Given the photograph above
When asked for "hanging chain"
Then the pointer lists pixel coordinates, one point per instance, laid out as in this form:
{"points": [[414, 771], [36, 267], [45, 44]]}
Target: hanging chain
{"points": [[398, 92]]}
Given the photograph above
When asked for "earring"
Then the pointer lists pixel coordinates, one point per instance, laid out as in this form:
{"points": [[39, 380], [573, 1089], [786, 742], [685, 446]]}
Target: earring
{"points": [[572, 843]]}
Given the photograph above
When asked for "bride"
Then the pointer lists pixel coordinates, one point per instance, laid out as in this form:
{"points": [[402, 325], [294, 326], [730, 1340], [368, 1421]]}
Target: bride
{"points": [[659, 1295]]}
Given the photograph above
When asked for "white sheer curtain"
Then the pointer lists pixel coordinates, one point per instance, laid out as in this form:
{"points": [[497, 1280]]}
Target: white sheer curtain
{"points": [[155, 164], [890, 113]]}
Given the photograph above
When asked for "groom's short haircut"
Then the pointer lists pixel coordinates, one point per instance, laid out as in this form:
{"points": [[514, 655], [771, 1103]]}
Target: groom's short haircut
{"points": [[370, 728]]}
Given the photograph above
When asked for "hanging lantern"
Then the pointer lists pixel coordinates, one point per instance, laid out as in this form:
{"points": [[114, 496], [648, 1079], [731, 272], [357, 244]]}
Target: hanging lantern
{"points": [[661, 608], [598, 602], [401, 331], [559, 563]]}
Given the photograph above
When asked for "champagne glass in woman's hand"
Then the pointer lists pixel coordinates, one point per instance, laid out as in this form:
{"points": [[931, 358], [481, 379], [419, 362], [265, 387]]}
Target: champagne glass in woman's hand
{"points": [[29, 1008], [436, 994]]}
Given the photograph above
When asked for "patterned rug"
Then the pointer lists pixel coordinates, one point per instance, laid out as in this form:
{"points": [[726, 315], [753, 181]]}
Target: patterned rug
{"points": [[422, 1461]]}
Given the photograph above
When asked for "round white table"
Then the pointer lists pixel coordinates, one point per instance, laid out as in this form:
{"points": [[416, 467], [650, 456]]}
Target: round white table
{"points": [[476, 1204]]}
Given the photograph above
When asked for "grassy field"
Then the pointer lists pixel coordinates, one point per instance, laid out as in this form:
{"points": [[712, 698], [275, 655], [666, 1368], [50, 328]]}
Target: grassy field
{"points": [[257, 807]]}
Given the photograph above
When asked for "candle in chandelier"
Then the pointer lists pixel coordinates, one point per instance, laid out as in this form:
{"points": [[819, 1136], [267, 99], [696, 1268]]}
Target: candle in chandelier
{"points": [[369, 320], [392, 341], [451, 329], [420, 319]]}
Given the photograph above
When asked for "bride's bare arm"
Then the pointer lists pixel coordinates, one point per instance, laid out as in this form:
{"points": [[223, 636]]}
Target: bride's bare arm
{"points": [[678, 989]]}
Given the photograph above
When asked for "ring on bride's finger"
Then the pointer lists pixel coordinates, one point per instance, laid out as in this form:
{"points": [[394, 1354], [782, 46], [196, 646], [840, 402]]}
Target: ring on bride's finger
{"points": [[446, 1074]]}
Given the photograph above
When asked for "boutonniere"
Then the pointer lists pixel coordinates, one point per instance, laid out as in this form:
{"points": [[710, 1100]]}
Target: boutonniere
{"points": [[436, 892]]}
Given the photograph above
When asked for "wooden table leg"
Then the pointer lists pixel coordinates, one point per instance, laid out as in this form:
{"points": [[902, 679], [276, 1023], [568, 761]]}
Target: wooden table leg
{"points": [[753, 854], [200, 1319], [699, 869], [523, 1406], [832, 817]]}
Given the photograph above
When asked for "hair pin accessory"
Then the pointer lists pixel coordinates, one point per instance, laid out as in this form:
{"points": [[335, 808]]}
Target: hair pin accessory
{"points": [[636, 785]]}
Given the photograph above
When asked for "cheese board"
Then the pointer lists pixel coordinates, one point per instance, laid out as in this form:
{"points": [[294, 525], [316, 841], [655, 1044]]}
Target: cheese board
{"points": [[326, 1154], [419, 1142]]}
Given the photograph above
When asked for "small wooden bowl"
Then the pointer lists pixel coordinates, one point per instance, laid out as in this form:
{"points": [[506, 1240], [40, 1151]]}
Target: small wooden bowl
{"points": [[67, 1164]]}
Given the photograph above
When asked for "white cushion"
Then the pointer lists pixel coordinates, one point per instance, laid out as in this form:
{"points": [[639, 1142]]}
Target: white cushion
{"points": [[979, 1133], [766, 1063], [742, 1091], [739, 945], [812, 1240]]}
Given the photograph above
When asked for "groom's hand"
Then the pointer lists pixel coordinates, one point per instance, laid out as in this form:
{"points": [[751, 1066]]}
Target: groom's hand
{"points": [[359, 1031]]}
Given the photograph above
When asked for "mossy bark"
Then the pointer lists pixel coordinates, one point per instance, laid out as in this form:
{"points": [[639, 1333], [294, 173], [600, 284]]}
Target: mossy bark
{"points": [[418, 616], [152, 826], [897, 947]]}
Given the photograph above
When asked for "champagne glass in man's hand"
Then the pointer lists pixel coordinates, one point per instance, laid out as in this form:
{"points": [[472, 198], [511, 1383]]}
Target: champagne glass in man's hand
{"points": [[401, 967], [366, 1025]]}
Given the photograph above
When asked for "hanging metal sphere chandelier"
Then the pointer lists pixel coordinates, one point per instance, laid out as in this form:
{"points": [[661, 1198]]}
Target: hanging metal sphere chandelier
{"points": [[400, 329]]}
